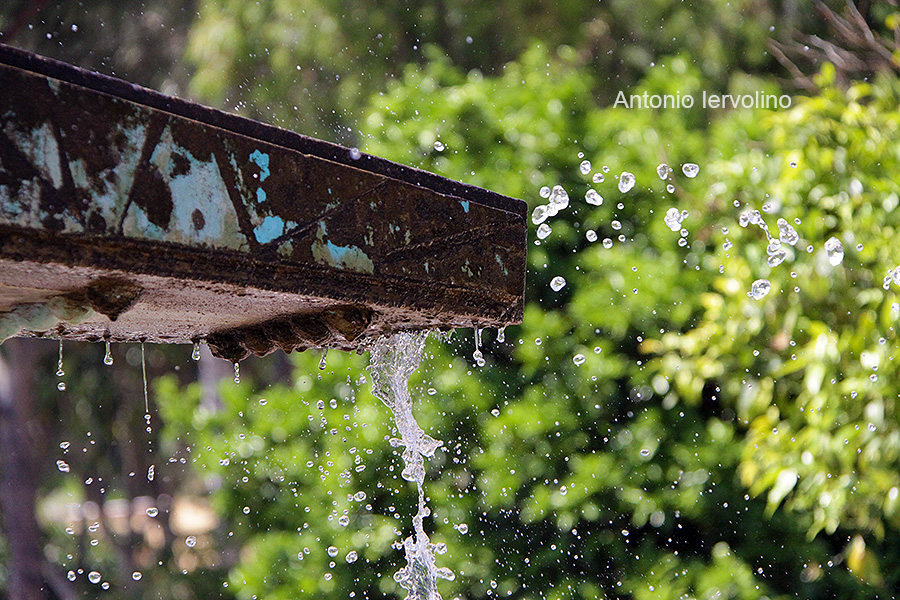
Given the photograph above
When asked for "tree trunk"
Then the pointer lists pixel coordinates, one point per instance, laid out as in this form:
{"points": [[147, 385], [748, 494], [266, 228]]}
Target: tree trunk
{"points": [[19, 438]]}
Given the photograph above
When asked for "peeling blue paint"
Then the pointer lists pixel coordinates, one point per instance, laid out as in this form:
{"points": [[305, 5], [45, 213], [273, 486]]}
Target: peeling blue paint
{"points": [[465, 205], [262, 160], [269, 229], [502, 266], [351, 258], [260, 195]]}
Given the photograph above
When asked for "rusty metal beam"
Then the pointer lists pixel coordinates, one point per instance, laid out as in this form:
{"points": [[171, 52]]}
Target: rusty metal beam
{"points": [[128, 215]]}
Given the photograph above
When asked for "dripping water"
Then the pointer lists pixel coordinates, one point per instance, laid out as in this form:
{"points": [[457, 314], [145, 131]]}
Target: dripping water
{"points": [[393, 359], [144, 373], [107, 358], [237, 372], [59, 365], [323, 364], [501, 335], [61, 386], [478, 355], [195, 354], [151, 469]]}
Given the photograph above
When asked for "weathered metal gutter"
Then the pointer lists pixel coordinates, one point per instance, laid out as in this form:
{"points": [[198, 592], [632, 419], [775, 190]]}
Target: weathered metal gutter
{"points": [[128, 215]]}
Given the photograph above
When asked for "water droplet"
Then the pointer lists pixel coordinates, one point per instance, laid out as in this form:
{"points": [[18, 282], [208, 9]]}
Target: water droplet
{"points": [[344, 520], [663, 171], [190, 541], [144, 374], [501, 335], [835, 251], [787, 233], [645, 452], [64, 445], [607, 243], [359, 496], [759, 289], [539, 214], [776, 258], [674, 219], [195, 353], [605, 169], [872, 427], [71, 576], [355, 154], [727, 245], [578, 359], [617, 225], [323, 362], [626, 181], [585, 167], [670, 188], [237, 372], [137, 575], [62, 466], [94, 577], [150, 473], [591, 235], [495, 412], [598, 178], [793, 164], [352, 556], [545, 192], [59, 364], [859, 247], [543, 231], [152, 512], [332, 551], [61, 386], [439, 146], [462, 528], [107, 358], [559, 198], [557, 283], [690, 169], [592, 197], [896, 275]]}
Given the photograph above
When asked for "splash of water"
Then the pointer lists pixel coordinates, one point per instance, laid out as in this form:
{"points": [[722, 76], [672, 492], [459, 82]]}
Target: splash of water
{"points": [[393, 360]]}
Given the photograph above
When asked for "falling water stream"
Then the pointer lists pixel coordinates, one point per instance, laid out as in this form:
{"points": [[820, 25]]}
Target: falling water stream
{"points": [[393, 360]]}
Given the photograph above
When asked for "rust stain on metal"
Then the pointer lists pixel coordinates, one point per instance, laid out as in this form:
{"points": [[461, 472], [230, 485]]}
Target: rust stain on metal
{"points": [[174, 222]]}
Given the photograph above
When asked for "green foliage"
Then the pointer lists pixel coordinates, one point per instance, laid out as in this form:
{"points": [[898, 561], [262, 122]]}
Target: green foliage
{"points": [[810, 369], [707, 445], [646, 433]]}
